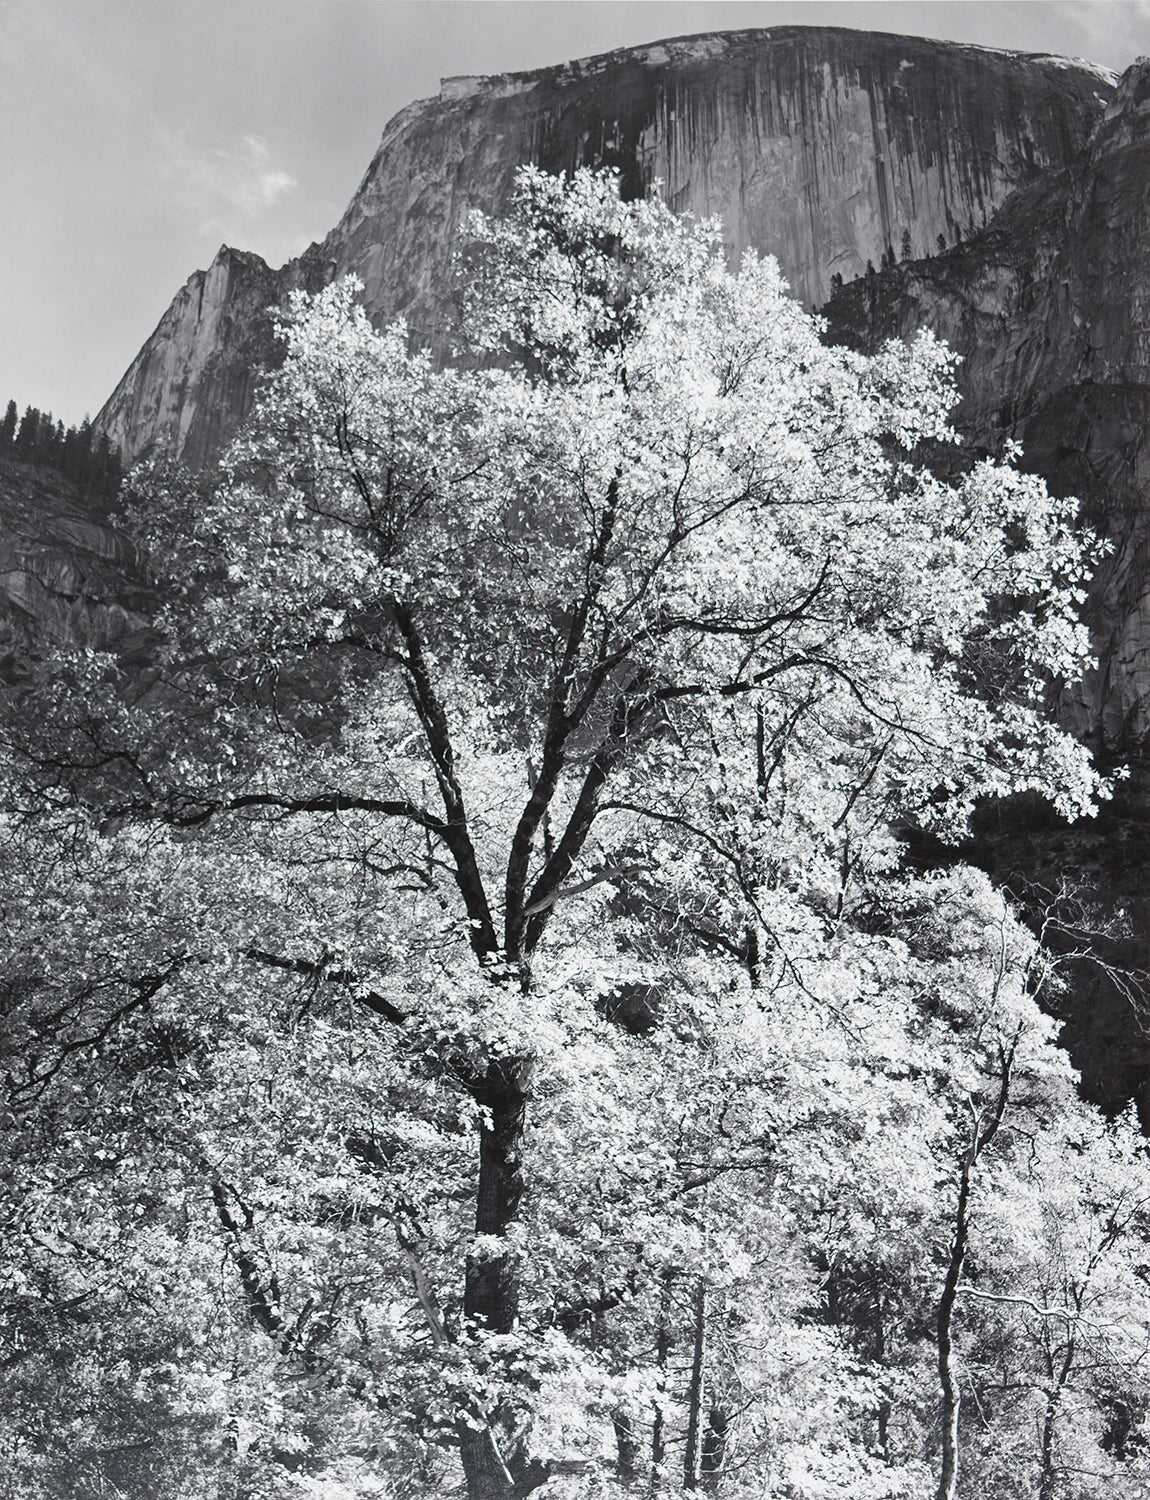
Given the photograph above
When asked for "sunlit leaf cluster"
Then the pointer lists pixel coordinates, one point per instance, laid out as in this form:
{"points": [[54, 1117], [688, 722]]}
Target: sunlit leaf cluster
{"points": [[468, 1024]]}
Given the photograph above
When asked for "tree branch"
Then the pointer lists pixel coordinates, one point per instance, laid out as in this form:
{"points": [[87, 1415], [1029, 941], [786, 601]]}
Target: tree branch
{"points": [[630, 706], [320, 970], [454, 829], [560, 722], [326, 803]]}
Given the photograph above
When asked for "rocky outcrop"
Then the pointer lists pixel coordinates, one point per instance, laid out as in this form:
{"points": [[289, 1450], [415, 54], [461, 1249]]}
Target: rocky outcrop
{"points": [[67, 574], [825, 147], [192, 382], [1050, 307]]}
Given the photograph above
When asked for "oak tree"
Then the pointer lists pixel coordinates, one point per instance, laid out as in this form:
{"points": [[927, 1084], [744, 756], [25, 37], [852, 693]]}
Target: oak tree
{"points": [[443, 931]]}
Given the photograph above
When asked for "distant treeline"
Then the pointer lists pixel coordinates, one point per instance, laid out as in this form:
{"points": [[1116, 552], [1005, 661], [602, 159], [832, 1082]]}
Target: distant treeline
{"points": [[82, 454]]}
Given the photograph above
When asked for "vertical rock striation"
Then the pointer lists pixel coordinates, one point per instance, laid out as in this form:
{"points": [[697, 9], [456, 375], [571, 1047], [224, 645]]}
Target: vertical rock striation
{"points": [[1002, 199], [1050, 308], [191, 384], [825, 147]]}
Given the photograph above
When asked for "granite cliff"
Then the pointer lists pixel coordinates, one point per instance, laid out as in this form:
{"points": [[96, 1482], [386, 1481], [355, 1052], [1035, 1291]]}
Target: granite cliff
{"points": [[67, 574], [828, 148], [1001, 198], [1050, 307]]}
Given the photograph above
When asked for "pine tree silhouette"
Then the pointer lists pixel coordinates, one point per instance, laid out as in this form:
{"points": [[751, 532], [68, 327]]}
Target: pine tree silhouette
{"points": [[86, 457]]}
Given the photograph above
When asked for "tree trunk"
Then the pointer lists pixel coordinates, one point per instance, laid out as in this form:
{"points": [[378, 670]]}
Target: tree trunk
{"points": [[488, 1477], [495, 1460], [491, 1289], [626, 1445], [692, 1461], [715, 1447], [947, 1370], [754, 951], [882, 1421], [1049, 1481], [662, 1351], [1049, 1476], [985, 1129]]}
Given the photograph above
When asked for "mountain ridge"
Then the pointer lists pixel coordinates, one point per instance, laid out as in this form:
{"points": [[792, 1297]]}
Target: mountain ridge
{"points": [[1050, 307], [819, 145], [1034, 172]]}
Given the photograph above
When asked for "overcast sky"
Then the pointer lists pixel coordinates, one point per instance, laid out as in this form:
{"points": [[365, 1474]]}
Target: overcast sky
{"points": [[136, 136]]}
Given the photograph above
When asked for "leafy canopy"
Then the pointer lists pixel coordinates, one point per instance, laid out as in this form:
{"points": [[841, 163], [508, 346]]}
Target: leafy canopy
{"points": [[482, 919]]}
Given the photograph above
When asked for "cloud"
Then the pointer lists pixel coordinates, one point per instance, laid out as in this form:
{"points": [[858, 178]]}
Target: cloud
{"points": [[1115, 31], [240, 177], [17, 32]]}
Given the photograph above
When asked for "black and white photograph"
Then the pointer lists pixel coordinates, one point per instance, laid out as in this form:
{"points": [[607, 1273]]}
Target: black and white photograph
{"points": [[575, 750]]}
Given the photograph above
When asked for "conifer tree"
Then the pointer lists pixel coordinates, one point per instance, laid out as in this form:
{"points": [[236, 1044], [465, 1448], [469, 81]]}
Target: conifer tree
{"points": [[28, 434]]}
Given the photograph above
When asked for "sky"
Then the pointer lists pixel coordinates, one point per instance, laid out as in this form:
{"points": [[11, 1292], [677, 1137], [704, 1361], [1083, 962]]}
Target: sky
{"points": [[137, 136]]}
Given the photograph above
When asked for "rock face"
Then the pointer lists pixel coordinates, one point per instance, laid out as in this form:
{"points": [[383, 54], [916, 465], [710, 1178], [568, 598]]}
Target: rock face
{"points": [[66, 574], [1050, 306], [192, 383], [827, 148], [1002, 199]]}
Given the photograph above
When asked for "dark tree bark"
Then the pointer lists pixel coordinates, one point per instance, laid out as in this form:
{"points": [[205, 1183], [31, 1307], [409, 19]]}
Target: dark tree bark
{"points": [[984, 1129], [261, 1289], [947, 1371], [693, 1459], [491, 1290], [715, 1447], [1048, 1484], [662, 1352], [495, 1458], [627, 1446], [487, 1474]]}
